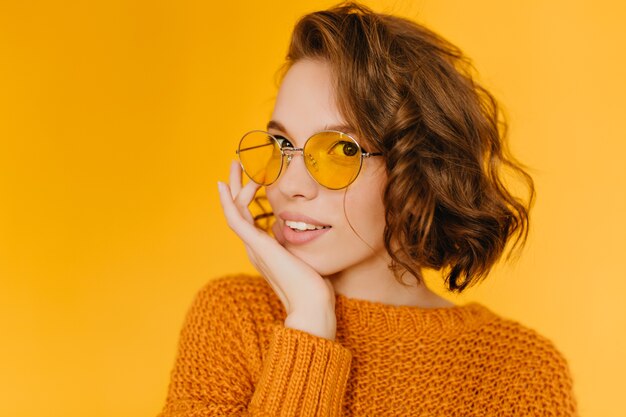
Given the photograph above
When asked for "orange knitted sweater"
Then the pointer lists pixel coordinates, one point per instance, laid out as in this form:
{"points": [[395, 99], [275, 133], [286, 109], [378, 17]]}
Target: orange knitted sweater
{"points": [[236, 358]]}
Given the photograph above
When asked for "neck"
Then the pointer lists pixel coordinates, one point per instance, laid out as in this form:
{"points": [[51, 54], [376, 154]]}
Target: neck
{"points": [[374, 281]]}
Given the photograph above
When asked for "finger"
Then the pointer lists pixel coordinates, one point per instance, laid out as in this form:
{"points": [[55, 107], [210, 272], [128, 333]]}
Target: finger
{"points": [[235, 179], [243, 228], [246, 196]]}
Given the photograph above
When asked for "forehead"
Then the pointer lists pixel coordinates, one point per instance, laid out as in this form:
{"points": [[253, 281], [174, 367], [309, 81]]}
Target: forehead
{"points": [[306, 101]]}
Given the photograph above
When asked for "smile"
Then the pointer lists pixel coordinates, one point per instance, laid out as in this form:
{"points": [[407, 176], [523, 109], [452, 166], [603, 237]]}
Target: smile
{"points": [[301, 226], [298, 233]]}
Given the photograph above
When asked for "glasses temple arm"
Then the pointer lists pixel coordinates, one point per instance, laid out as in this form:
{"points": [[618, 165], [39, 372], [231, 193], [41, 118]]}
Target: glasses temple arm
{"points": [[253, 147], [368, 154]]}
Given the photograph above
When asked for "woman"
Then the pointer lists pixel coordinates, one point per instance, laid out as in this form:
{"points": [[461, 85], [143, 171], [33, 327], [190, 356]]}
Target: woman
{"points": [[382, 157]]}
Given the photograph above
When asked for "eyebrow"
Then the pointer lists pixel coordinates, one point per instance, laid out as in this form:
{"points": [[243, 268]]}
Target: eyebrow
{"points": [[341, 128], [274, 124]]}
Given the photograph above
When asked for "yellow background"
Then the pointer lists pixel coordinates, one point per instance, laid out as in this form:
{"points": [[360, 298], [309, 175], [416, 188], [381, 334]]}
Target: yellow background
{"points": [[118, 117]]}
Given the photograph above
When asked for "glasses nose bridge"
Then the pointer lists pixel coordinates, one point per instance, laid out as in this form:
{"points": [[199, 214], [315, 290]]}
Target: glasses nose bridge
{"points": [[308, 160], [296, 182], [290, 152]]}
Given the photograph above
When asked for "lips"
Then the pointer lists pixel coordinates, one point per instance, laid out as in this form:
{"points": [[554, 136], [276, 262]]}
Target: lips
{"points": [[297, 217], [285, 234]]}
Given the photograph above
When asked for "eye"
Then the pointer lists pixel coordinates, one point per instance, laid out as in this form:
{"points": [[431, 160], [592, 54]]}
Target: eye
{"points": [[283, 141], [344, 148]]}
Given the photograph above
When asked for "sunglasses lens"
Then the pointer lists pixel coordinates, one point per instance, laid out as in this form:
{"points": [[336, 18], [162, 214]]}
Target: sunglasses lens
{"points": [[260, 157], [333, 159]]}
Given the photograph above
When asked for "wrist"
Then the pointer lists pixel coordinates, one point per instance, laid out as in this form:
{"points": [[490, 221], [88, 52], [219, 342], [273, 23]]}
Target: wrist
{"points": [[321, 324]]}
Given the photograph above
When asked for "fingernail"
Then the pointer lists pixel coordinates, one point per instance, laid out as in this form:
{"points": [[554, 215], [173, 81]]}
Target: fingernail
{"points": [[220, 186]]}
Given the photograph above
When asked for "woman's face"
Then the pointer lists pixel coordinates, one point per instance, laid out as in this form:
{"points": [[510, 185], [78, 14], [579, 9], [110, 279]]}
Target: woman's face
{"points": [[306, 105]]}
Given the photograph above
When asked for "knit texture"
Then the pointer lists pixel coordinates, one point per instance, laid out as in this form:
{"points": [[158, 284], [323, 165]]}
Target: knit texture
{"points": [[236, 358]]}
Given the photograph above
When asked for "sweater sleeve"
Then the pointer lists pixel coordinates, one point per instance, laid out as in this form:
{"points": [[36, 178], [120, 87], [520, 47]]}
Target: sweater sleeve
{"points": [[301, 374], [550, 386]]}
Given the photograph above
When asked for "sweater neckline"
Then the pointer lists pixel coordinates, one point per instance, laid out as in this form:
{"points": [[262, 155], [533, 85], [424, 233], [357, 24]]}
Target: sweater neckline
{"points": [[365, 316]]}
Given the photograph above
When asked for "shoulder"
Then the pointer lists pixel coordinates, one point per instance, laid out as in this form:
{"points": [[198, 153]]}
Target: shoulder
{"points": [[236, 287], [499, 333], [234, 284], [522, 352], [531, 363], [519, 340], [238, 296]]}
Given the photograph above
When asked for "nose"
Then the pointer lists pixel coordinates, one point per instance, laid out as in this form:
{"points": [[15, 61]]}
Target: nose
{"points": [[295, 181]]}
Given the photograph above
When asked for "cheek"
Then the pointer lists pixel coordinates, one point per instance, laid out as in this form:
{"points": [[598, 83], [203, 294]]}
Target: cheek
{"points": [[366, 212]]}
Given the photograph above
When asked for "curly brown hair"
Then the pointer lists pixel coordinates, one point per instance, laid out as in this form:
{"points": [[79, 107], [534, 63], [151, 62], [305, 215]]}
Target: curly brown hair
{"points": [[412, 95]]}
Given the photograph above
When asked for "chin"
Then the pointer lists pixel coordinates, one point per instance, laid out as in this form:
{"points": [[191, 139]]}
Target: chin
{"points": [[319, 263]]}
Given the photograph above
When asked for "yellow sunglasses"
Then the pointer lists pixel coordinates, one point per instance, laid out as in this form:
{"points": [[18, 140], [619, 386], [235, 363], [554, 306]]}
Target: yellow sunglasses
{"points": [[332, 158]]}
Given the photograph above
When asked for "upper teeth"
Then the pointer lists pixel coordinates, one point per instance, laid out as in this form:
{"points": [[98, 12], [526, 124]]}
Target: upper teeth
{"points": [[302, 225]]}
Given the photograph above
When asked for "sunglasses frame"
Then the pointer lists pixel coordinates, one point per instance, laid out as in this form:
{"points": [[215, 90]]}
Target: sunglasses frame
{"points": [[289, 151]]}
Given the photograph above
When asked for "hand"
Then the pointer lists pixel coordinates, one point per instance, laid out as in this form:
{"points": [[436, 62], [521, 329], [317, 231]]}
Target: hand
{"points": [[309, 299]]}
